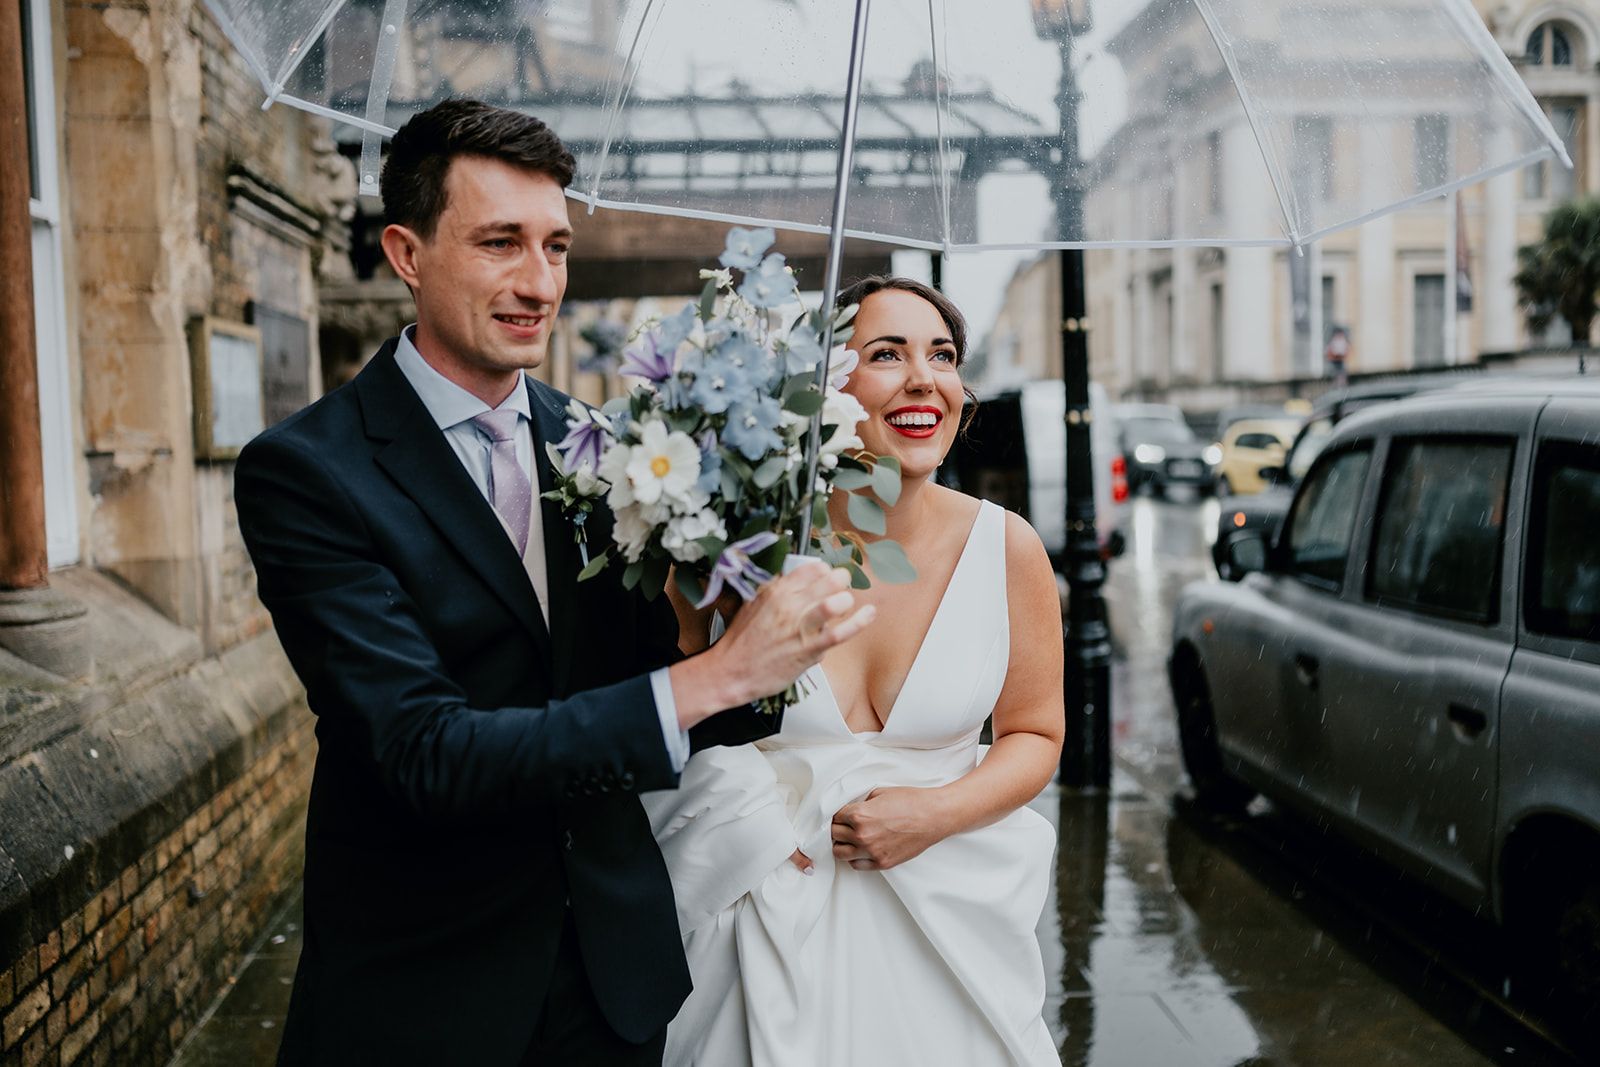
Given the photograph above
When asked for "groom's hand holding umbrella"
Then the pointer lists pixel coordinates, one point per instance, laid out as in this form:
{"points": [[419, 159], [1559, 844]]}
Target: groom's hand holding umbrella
{"points": [[770, 643]]}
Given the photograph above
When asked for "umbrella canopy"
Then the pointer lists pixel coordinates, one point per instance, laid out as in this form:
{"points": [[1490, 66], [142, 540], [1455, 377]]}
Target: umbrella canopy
{"points": [[1328, 112]]}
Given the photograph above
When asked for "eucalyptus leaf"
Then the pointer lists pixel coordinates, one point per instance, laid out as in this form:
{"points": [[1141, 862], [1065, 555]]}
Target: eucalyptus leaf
{"points": [[617, 405], [819, 511], [630, 575], [654, 578], [711, 546], [769, 472], [731, 487], [886, 483], [866, 514], [858, 577], [844, 316], [708, 301], [851, 478], [889, 563], [595, 566], [806, 403], [688, 584], [798, 383]]}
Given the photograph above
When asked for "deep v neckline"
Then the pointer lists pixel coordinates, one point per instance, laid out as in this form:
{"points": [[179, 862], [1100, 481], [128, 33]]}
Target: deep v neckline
{"points": [[922, 647]]}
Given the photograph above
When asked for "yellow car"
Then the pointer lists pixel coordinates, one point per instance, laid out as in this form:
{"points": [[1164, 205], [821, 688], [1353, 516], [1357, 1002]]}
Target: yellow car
{"points": [[1249, 445]]}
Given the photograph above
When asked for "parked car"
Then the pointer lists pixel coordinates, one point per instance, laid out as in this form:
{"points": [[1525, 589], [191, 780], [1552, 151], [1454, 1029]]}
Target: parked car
{"points": [[1265, 510], [1414, 658], [1248, 446], [1161, 451], [1014, 452]]}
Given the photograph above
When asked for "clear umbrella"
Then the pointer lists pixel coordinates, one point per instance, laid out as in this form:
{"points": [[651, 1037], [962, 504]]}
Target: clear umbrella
{"points": [[940, 124], [1321, 113]]}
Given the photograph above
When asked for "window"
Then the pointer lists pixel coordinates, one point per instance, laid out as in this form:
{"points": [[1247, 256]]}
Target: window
{"points": [[1427, 320], [1257, 440], [1550, 43], [1440, 521], [1549, 179], [1323, 519], [1430, 151], [1563, 576], [1308, 446], [49, 305], [1312, 164]]}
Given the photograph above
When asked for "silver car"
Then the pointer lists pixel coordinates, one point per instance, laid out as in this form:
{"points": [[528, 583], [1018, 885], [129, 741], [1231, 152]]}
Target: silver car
{"points": [[1415, 656]]}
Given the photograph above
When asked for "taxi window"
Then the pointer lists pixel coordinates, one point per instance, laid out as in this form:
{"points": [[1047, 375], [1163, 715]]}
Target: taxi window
{"points": [[1324, 519], [1440, 522], [1562, 597]]}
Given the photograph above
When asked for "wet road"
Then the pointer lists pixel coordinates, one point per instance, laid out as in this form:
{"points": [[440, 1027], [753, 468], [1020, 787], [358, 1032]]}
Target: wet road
{"points": [[1175, 938], [1172, 938]]}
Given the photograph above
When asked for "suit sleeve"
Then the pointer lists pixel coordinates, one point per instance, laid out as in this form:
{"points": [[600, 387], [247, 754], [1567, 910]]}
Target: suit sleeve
{"points": [[357, 641]]}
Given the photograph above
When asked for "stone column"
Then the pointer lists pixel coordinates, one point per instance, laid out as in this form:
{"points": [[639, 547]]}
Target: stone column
{"points": [[1372, 336], [37, 624], [1496, 298]]}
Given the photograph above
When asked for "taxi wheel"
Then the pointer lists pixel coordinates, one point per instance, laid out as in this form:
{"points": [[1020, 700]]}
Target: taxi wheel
{"points": [[1214, 787]]}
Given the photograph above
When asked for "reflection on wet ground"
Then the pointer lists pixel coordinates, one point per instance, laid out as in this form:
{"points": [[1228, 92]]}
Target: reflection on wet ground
{"points": [[1172, 938]]}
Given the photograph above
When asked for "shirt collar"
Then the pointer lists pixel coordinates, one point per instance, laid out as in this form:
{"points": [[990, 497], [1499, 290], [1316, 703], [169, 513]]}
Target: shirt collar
{"points": [[448, 403]]}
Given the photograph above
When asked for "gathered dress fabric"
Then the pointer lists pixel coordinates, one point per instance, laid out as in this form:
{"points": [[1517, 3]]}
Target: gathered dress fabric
{"points": [[932, 962]]}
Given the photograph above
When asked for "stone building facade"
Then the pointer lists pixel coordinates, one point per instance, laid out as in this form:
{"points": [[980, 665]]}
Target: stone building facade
{"points": [[1206, 326], [155, 749]]}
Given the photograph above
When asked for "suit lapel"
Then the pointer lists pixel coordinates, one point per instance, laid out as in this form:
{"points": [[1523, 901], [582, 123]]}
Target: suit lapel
{"points": [[421, 462], [562, 560]]}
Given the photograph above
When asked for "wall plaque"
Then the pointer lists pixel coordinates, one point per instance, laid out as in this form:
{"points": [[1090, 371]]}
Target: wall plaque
{"points": [[226, 357]]}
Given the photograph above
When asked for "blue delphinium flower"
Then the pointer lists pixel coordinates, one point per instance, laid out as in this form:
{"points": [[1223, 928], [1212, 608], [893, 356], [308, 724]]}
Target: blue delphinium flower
{"points": [[752, 426], [675, 329], [718, 379], [802, 350], [769, 285], [744, 247], [710, 464]]}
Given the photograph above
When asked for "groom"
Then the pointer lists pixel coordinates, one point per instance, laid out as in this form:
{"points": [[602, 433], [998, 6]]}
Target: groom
{"points": [[481, 884]]}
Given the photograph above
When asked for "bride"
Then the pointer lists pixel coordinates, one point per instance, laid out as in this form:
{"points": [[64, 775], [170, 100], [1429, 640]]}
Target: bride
{"points": [[862, 889]]}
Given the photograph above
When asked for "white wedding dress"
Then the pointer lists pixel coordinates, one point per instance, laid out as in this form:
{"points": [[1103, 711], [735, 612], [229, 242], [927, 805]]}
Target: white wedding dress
{"points": [[929, 963]]}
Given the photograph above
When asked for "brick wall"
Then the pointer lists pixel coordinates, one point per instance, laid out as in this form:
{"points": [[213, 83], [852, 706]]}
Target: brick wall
{"points": [[125, 976]]}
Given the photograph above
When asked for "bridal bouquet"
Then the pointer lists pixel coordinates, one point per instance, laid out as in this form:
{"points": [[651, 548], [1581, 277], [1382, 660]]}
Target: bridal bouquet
{"points": [[702, 464]]}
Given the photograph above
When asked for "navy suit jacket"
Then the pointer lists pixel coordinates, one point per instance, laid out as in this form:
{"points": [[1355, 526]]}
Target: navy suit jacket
{"points": [[476, 770]]}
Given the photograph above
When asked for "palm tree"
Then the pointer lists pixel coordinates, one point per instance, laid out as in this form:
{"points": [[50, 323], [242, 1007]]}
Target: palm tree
{"points": [[1561, 274]]}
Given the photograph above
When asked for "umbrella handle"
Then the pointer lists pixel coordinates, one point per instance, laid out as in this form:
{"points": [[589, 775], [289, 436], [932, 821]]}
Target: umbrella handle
{"points": [[830, 286]]}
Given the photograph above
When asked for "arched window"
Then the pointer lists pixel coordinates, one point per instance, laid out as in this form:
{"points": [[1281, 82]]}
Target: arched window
{"points": [[1550, 43]]}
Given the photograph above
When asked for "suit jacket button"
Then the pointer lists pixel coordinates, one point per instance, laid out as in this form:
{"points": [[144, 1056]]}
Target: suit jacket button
{"points": [[627, 779]]}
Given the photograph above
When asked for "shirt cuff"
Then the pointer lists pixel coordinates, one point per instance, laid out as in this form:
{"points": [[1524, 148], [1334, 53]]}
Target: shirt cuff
{"points": [[677, 740]]}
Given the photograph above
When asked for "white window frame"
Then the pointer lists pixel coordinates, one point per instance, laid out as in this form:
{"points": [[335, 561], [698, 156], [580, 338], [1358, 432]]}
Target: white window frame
{"points": [[57, 427]]}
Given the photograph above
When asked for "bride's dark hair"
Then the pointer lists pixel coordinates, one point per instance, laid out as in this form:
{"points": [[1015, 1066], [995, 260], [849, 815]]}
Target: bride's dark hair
{"points": [[954, 321]]}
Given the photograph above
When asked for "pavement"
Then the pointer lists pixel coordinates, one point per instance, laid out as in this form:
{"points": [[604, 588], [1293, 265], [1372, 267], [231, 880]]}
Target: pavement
{"points": [[1171, 938]]}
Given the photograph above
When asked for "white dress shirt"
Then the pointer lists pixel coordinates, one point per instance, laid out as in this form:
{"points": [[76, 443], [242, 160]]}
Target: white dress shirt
{"points": [[453, 409]]}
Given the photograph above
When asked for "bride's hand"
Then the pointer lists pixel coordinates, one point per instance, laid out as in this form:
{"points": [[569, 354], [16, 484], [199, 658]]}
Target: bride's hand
{"points": [[887, 828], [694, 624], [802, 862]]}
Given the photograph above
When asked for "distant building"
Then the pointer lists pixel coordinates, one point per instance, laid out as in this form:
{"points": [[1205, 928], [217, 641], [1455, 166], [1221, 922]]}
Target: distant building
{"points": [[1200, 324]]}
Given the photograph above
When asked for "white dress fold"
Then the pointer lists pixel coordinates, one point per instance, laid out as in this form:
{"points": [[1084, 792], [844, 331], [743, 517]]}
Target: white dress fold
{"points": [[932, 962]]}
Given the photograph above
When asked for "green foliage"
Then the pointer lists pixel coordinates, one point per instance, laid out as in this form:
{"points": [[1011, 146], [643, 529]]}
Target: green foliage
{"points": [[1561, 274]]}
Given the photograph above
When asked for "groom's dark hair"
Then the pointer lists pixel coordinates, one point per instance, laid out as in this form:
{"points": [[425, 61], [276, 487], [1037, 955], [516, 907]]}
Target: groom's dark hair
{"points": [[422, 150]]}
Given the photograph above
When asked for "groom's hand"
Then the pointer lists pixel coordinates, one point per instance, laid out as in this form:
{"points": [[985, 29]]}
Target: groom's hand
{"points": [[771, 642]]}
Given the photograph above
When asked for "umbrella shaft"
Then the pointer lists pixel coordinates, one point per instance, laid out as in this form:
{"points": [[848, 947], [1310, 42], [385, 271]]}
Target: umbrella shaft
{"points": [[830, 286]]}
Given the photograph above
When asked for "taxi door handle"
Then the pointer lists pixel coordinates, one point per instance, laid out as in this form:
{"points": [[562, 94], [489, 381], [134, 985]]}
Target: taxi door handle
{"points": [[1308, 670], [1467, 722]]}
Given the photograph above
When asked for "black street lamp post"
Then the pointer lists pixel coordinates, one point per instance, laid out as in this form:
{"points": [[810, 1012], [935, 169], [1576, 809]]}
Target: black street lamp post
{"points": [[1086, 755]]}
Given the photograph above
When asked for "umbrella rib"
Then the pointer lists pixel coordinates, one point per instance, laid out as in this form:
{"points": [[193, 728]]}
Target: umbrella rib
{"points": [[619, 96], [1473, 26], [299, 57], [940, 94], [394, 14], [231, 32], [1268, 158]]}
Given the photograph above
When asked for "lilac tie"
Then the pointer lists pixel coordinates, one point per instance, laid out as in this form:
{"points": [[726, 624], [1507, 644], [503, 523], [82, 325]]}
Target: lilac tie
{"points": [[509, 489]]}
